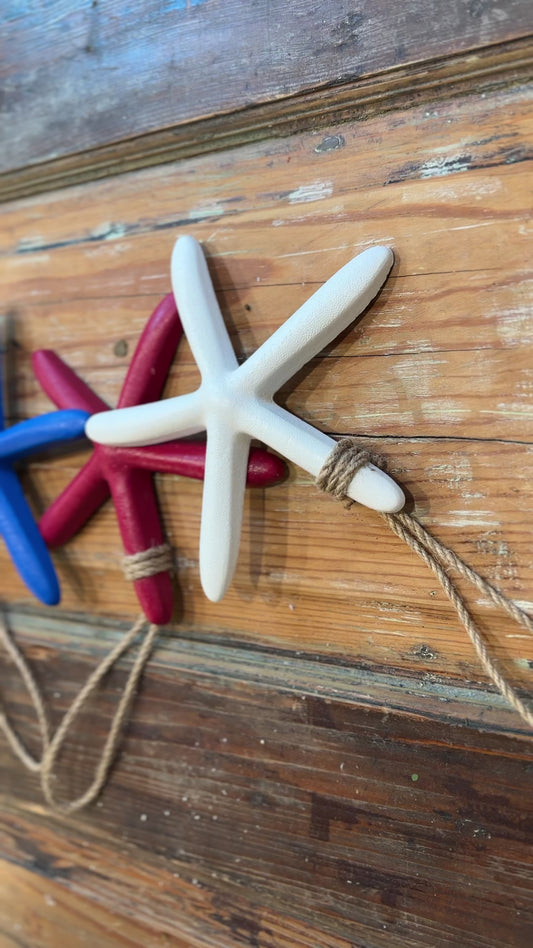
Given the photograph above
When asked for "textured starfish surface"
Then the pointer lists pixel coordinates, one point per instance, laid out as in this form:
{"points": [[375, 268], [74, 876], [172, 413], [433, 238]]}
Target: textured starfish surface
{"points": [[17, 525], [234, 403], [127, 473]]}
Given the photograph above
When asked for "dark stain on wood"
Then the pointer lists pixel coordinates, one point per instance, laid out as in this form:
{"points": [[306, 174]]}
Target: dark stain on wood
{"points": [[389, 888], [425, 652], [120, 348], [319, 713], [347, 32], [476, 8], [458, 163], [325, 811], [246, 931], [330, 143]]}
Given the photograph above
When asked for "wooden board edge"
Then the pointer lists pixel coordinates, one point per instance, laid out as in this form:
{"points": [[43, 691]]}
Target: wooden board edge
{"points": [[479, 70], [425, 696]]}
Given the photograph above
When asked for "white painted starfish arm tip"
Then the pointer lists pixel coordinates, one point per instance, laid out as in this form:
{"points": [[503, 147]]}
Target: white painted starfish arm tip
{"points": [[387, 253], [94, 430], [374, 264], [186, 243], [199, 310], [215, 589], [374, 488], [226, 464]]}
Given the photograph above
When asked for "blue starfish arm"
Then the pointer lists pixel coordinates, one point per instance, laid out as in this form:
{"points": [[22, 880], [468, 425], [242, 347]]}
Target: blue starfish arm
{"points": [[27, 437], [2, 399], [23, 540]]}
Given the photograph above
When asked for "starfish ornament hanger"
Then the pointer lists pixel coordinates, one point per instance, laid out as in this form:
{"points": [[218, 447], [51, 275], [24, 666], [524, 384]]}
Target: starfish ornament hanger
{"points": [[234, 403], [127, 473]]}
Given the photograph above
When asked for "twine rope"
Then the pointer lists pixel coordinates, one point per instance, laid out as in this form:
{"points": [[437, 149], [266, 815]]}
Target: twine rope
{"points": [[52, 747], [156, 559], [16, 743], [335, 476]]}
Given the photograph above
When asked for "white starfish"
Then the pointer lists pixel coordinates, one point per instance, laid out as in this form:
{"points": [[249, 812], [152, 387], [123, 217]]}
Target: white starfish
{"points": [[234, 403]]}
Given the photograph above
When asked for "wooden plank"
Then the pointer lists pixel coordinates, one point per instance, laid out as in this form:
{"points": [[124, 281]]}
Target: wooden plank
{"points": [[38, 912], [319, 580], [437, 375], [430, 81], [79, 78], [254, 811]]}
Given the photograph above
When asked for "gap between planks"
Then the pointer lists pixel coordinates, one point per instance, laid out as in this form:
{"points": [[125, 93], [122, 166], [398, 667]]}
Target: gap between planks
{"points": [[479, 70], [425, 695]]}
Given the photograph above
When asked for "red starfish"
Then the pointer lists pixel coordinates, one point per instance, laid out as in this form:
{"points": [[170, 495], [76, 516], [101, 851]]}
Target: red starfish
{"points": [[126, 473]]}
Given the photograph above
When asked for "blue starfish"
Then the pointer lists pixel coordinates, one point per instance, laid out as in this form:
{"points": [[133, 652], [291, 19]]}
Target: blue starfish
{"points": [[17, 526]]}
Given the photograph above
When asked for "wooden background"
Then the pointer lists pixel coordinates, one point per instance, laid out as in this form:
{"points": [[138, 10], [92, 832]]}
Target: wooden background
{"points": [[319, 759]]}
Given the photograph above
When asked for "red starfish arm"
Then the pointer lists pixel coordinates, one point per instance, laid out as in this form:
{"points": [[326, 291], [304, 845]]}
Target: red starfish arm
{"points": [[138, 519], [85, 493], [153, 356], [62, 385], [188, 459]]}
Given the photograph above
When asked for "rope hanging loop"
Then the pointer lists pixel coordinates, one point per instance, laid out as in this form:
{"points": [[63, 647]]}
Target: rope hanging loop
{"points": [[340, 466], [53, 746]]}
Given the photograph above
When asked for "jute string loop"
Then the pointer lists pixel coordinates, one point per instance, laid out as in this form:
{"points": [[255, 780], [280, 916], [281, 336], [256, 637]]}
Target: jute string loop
{"points": [[344, 461], [156, 559], [52, 747], [17, 745]]}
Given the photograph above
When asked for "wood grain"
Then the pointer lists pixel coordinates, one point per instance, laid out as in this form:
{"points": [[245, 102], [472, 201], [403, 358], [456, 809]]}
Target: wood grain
{"points": [[427, 81], [38, 912], [79, 77], [437, 375], [256, 812], [319, 759]]}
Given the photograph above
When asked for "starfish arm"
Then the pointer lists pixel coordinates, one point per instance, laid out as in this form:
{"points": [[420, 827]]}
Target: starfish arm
{"points": [[199, 309], [75, 505], [23, 540], [222, 503], [148, 424], [138, 519], [183, 458], [264, 468], [28, 437], [317, 323], [62, 385], [153, 356], [309, 448], [187, 458]]}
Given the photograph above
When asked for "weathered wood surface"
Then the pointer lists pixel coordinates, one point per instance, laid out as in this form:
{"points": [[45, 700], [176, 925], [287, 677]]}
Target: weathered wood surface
{"points": [[490, 68], [318, 759], [263, 813], [77, 77], [437, 375], [38, 912], [429, 82]]}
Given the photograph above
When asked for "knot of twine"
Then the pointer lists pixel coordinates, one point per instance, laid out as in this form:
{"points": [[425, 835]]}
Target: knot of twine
{"points": [[346, 459], [341, 466], [156, 559], [53, 745]]}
